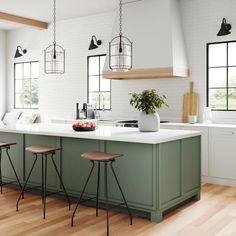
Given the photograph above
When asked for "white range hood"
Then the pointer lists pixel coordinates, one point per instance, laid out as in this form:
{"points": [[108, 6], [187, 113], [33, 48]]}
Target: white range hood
{"points": [[155, 28]]}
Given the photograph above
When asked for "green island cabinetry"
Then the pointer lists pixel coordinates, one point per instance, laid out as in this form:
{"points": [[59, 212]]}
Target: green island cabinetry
{"points": [[154, 177]]}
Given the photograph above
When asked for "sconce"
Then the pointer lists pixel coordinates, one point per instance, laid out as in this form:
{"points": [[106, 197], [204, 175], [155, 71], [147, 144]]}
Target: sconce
{"points": [[94, 43], [225, 28], [20, 52]]}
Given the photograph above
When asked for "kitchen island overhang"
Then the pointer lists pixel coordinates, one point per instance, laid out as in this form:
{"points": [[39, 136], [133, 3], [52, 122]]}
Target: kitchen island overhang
{"points": [[160, 170]]}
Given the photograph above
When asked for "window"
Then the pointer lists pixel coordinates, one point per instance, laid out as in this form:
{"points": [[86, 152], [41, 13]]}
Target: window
{"points": [[99, 89], [26, 77], [221, 76]]}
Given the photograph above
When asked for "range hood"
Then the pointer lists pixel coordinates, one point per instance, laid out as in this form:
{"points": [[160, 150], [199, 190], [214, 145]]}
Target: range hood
{"points": [[155, 28]]}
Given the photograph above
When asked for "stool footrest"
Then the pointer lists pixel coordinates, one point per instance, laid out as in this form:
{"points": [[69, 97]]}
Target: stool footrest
{"points": [[115, 206], [49, 193], [53, 193], [86, 200], [31, 188], [6, 183]]}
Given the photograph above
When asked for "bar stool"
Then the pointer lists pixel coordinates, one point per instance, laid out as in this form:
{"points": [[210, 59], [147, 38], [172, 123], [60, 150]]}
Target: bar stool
{"points": [[105, 158], [7, 146], [44, 151]]}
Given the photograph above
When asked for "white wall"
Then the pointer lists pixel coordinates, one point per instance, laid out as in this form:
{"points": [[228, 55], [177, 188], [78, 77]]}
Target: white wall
{"points": [[2, 72], [202, 20], [58, 94]]}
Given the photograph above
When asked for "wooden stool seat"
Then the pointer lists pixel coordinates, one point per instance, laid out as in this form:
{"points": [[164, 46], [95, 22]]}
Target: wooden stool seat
{"points": [[6, 144], [41, 149], [100, 156]]}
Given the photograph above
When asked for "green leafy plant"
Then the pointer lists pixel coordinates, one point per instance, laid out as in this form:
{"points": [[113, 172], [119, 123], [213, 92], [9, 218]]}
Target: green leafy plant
{"points": [[148, 101]]}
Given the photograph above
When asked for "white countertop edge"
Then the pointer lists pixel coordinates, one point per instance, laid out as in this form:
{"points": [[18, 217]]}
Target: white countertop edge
{"points": [[210, 125], [105, 133]]}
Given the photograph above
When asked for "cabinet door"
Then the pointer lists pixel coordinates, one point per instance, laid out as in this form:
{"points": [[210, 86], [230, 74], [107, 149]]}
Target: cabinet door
{"points": [[222, 152], [135, 173], [204, 148], [36, 177]]}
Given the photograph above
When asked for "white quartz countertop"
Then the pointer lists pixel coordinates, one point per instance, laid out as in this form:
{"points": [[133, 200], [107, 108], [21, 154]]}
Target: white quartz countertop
{"points": [[103, 133]]}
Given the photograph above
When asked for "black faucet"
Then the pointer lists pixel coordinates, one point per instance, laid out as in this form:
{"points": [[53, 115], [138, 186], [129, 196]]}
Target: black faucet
{"points": [[85, 110], [77, 111]]}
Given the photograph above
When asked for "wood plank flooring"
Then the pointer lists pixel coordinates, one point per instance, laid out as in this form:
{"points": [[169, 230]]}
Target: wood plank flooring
{"points": [[214, 215]]}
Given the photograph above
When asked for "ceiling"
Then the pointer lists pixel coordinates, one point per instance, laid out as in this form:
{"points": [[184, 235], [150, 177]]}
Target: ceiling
{"points": [[42, 9]]}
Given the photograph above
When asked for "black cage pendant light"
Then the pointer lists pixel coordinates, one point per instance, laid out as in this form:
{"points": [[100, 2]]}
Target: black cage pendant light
{"points": [[120, 50], [54, 55]]}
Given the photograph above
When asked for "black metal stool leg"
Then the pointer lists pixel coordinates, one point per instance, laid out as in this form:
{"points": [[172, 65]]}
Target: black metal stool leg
{"points": [[14, 170], [42, 175], [81, 196], [131, 222], [22, 191], [98, 183], [61, 181], [106, 197], [45, 185], [1, 169]]}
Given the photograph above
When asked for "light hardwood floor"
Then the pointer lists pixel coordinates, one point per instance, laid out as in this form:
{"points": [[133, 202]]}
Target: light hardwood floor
{"points": [[214, 214]]}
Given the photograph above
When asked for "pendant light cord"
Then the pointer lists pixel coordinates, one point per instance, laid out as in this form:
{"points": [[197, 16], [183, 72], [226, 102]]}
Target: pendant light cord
{"points": [[54, 29], [54, 21], [120, 5], [120, 48]]}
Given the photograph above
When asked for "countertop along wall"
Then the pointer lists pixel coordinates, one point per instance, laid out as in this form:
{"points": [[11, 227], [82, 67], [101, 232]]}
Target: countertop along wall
{"points": [[58, 94]]}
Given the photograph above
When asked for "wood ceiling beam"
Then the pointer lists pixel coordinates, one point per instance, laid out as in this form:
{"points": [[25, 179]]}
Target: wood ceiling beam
{"points": [[23, 21]]}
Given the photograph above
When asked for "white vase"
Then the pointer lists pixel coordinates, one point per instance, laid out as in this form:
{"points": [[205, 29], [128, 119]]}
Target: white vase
{"points": [[207, 115], [149, 122]]}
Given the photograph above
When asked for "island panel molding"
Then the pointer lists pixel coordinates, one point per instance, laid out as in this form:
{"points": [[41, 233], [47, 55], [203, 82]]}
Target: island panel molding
{"points": [[155, 176], [23, 21]]}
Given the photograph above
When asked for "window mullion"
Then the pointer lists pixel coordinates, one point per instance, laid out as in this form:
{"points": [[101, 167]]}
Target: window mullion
{"points": [[227, 76]]}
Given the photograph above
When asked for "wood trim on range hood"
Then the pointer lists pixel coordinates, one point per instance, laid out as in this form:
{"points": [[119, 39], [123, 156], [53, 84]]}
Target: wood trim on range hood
{"points": [[151, 73], [23, 21]]}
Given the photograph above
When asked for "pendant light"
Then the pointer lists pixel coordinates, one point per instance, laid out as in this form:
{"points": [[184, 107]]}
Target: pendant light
{"points": [[54, 55], [120, 50]]}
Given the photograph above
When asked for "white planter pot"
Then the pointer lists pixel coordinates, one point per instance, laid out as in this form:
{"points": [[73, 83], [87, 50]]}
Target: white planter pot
{"points": [[149, 123]]}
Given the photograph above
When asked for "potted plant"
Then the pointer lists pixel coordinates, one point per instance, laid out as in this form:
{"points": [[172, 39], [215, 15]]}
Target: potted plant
{"points": [[148, 101]]}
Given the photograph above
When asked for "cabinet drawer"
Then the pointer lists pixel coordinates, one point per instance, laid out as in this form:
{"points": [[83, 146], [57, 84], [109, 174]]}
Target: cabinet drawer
{"points": [[223, 132]]}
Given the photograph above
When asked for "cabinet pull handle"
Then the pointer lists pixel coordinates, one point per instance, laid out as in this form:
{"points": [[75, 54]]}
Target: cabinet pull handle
{"points": [[228, 133]]}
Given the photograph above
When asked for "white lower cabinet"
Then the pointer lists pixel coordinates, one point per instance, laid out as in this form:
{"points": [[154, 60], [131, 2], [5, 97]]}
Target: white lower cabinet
{"points": [[222, 157], [218, 153]]}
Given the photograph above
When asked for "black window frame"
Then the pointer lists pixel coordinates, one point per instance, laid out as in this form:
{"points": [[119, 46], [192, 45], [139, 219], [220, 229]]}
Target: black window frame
{"points": [[100, 76], [227, 74], [22, 108]]}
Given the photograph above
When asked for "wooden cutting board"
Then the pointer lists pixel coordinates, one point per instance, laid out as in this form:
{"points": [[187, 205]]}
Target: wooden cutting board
{"points": [[190, 103]]}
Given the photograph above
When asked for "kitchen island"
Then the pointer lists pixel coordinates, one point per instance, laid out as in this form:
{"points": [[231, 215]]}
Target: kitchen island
{"points": [[160, 170]]}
